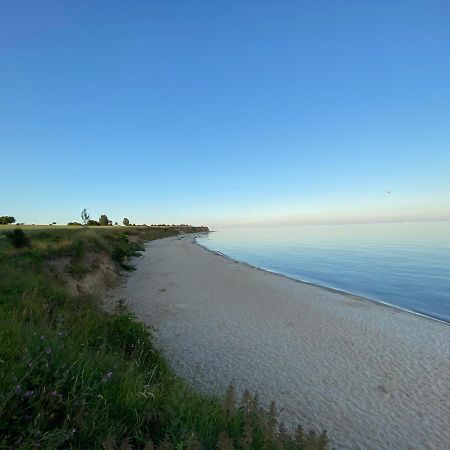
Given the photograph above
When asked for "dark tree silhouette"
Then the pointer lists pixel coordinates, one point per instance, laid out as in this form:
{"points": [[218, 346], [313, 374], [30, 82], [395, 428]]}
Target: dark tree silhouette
{"points": [[4, 220], [103, 221], [85, 216]]}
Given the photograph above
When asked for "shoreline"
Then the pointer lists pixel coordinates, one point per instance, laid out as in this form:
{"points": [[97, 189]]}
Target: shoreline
{"points": [[372, 377], [322, 286]]}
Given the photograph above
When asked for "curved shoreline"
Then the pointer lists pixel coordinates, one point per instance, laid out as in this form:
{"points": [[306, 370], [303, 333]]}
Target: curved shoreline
{"points": [[373, 377], [322, 286]]}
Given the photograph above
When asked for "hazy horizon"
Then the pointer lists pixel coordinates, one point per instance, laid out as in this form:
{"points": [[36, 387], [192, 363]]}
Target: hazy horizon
{"points": [[269, 224]]}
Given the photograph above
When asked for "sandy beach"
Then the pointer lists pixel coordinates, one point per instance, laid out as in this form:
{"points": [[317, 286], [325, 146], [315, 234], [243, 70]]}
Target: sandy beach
{"points": [[374, 377]]}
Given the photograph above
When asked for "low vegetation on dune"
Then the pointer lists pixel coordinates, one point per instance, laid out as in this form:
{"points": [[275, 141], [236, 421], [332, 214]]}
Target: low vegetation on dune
{"points": [[73, 376]]}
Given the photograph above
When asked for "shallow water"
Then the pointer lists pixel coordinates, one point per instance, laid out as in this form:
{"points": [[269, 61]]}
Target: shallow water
{"points": [[404, 264]]}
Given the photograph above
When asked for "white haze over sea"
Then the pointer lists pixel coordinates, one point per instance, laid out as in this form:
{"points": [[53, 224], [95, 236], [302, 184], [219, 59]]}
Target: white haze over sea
{"points": [[406, 265]]}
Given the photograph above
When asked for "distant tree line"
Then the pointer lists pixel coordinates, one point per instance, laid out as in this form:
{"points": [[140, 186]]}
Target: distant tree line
{"points": [[185, 225], [103, 221], [5, 220]]}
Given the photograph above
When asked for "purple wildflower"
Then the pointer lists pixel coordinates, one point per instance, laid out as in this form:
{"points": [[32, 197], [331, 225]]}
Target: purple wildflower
{"points": [[18, 388], [48, 350], [28, 394]]}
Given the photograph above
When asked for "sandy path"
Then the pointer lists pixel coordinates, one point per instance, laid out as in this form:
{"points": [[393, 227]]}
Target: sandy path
{"points": [[372, 376]]}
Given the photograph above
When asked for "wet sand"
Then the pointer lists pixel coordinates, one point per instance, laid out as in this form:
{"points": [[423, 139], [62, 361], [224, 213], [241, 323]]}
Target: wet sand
{"points": [[373, 376]]}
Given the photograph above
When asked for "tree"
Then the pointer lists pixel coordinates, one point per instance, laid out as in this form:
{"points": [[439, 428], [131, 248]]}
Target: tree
{"points": [[85, 216], [18, 238], [103, 221], [92, 223], [4, 220], [126, 222]]}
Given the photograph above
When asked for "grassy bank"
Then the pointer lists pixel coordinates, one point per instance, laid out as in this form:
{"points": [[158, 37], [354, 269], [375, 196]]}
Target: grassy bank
{"points": [[74, 376]]}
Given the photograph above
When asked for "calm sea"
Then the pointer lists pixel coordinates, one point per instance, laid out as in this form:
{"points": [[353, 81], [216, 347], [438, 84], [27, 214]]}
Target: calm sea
{"points": [[404, 264]]}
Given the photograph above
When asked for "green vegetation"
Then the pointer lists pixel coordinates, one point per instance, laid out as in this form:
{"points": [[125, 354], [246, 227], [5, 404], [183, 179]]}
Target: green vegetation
{"points": [[5, 220], [17, 238], [125, 221], [75, 377], [104, 221], [85, 216]]}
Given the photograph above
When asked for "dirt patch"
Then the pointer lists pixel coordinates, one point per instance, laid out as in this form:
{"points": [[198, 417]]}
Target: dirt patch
{"points": [[93, 274]]}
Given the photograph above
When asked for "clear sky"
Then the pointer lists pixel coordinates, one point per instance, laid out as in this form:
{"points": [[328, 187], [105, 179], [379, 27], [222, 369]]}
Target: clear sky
{"points": [[225, 112]]}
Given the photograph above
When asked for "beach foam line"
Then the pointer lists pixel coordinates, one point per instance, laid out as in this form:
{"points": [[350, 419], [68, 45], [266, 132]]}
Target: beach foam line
{"points": [[323, 286]]}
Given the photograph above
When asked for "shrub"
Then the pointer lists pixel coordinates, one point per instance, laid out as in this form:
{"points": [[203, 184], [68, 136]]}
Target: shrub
{"points": [[74, 224], [18, 238], [119, 254], [103, 221], [5, 220]]}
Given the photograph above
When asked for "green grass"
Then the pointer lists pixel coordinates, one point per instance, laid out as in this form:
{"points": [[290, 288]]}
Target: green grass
{"points": [[74, 377]]}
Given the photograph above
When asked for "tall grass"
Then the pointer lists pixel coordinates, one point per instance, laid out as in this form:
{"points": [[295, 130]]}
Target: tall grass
{"points": [[75, 377]]}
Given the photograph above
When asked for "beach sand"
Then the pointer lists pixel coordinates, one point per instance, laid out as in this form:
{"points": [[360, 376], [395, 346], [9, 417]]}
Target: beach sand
{"points": [[374, 377]]}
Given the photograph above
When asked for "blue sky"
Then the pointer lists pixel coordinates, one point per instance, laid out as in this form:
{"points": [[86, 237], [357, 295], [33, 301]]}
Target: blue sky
{"points": [[225, 112]]}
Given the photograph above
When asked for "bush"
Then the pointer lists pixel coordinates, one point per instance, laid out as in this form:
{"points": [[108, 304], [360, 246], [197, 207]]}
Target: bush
{"points": [[74, 224], [18, 238], [103, 221], [5, 220], [119, 254]]}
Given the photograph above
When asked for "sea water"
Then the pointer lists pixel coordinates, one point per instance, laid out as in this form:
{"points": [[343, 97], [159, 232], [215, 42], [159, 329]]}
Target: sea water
{"points": [[406, 265]]}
